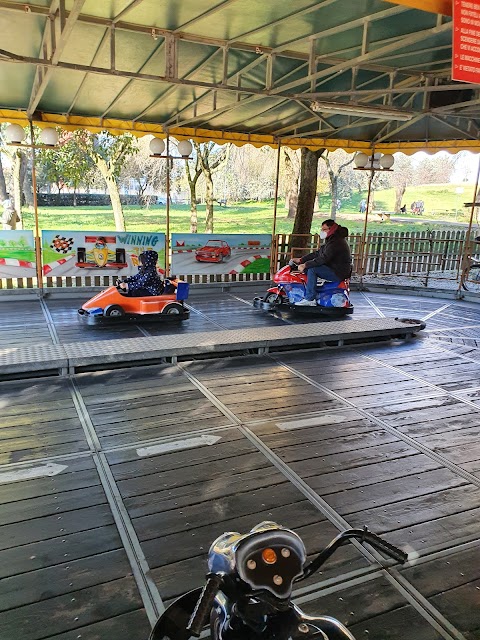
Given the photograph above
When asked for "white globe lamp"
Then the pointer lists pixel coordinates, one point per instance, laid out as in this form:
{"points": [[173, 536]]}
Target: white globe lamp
{"points": [[157, 146], [49, 136], [15, 133], [361, 160], [185, 148], [386, 161]]}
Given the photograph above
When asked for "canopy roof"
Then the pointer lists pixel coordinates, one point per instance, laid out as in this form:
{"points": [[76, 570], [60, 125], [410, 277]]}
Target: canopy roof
{"points": [[240, 71]]}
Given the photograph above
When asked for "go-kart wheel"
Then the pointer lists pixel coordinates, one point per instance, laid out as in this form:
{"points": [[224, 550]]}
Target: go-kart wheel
{"points": [[173, 309], [120, 256], [114, 311], [81, 254], [271, 298]]}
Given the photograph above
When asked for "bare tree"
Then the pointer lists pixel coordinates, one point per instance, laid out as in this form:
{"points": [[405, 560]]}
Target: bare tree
{"points": [[335, 163], [210, 157], [292, 177], [307, 194], [401, 176], [193, 174], [148, 174]]}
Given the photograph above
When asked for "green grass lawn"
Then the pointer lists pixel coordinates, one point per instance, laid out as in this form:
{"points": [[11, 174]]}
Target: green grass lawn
{"points": [[256, 217]]}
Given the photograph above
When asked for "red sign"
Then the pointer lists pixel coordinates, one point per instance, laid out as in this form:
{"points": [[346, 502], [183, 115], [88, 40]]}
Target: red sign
{"points": [[466, 41]]}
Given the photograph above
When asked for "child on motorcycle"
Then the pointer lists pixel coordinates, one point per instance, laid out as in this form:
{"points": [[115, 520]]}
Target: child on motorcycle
{"points": [[147, 282], [333, 261]]}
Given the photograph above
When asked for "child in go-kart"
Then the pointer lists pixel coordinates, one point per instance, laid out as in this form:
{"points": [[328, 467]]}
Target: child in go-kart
{"points": [[147, 282]]}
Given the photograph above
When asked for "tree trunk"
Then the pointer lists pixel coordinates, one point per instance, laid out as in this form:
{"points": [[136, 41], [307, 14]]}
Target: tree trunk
{"points": [[306, 196], [19, 159], [113, 192], [208, 203], [399, 193], [291, 186], [193, 209], [334, 194], [3, 186]]}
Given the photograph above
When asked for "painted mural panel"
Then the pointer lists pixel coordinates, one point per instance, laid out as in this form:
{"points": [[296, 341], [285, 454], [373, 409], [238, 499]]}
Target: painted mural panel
{"points": [[88, 253], [17, 254], [202, 253]]}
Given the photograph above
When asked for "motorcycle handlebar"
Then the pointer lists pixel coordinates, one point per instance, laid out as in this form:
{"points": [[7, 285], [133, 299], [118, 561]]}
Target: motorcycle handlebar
{"points": [[383, 546], [204, 605], [362, 535]]}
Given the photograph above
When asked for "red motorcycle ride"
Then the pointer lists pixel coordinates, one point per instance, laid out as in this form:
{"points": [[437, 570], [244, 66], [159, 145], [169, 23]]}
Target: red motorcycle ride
{"points": [[332, 298]]}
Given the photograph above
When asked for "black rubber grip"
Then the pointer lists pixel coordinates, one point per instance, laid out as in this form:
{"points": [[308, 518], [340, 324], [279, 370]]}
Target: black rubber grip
{"points": [[204, 604], [388, 549]]}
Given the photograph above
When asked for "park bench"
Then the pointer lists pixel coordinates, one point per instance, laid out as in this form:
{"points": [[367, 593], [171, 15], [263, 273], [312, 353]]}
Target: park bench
{"points": [[383, 215]]}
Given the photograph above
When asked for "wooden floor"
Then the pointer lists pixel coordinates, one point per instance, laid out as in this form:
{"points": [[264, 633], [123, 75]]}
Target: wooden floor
{"points": [[114, 483]]}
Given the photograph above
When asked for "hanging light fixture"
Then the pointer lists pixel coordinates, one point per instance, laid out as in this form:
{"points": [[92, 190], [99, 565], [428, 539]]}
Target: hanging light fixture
{"points": [[185, 148], [361, 160], [15, 134], [377, 162], [157, 146], [49, 136]]}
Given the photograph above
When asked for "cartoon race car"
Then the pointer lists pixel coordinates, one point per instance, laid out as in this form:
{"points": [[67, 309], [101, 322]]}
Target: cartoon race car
{"points": [[114, 304], [99, 256], [213, 251]]}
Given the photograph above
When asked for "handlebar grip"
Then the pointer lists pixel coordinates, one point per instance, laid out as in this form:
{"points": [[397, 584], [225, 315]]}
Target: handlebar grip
{"points": [[202, 609], [388, 549]]}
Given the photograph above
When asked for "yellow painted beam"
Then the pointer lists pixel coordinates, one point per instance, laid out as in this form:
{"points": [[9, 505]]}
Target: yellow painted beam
{"points": [[434, 6], [117, 127]]}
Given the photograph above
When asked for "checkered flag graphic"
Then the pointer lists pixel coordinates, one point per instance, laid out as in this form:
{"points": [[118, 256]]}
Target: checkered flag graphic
{"points": [[61, 244]]}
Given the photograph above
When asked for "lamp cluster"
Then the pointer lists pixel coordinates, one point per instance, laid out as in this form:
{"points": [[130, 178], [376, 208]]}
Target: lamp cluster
{"points": [[15, 134], [377, 162], [157, 147]]}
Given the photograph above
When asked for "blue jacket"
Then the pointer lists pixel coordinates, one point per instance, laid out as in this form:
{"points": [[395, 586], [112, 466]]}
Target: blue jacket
{"points": [[147, 276]]}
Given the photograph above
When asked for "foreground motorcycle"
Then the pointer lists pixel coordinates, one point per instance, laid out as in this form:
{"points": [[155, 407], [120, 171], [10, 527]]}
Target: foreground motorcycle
{"points": [[249, 585], [332, 297]]}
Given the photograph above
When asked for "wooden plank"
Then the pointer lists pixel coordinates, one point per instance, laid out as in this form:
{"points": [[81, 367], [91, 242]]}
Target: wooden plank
{"points": [[445, 573], [62, 502], [354, 458], [51, 552], [160, 429], [426, 521], [196, 475], [34, 453], [133, 625], [462, 606], [372, 474], [72, 610], [424, 488], [43, 584], [210, 490], [12, 535], [83, 475], [232, 506], [392, 625]]}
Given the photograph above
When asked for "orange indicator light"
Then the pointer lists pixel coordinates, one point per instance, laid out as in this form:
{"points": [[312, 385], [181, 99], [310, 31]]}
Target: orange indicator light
{"points": [[269, 556]]}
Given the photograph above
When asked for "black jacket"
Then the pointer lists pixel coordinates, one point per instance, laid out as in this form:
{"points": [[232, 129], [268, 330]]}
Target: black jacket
{"points": [[334, 253]]}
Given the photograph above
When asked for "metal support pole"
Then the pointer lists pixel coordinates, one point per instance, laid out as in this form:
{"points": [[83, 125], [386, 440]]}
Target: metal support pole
{"points": [[273, 257], [467, 249], [167, 231], [38, 243]]}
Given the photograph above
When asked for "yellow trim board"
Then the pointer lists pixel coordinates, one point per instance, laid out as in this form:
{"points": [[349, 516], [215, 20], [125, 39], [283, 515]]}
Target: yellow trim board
{"points": [[434, 6], [117, 127]]}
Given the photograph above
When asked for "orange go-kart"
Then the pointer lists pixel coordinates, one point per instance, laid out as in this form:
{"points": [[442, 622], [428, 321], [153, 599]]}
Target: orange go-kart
{"points": [[113, 303]]}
